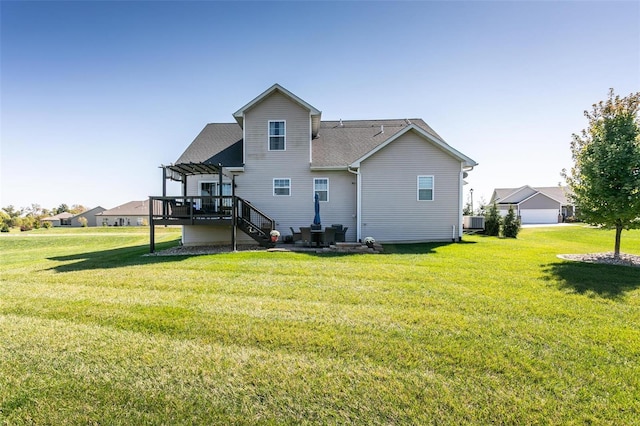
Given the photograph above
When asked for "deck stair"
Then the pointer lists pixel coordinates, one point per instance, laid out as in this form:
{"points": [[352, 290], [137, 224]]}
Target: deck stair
{"points": [[254, 223]]}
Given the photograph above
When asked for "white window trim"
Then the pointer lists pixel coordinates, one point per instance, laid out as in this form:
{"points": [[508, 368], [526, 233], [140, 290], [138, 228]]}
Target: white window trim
{"points": [[273, 190], [314, 188], [269, 135], [433, 187]]}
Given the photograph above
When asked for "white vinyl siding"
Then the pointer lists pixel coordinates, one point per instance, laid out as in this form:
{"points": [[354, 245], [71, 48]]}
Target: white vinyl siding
{"points": [[197, 235], [255, 183], [281, 186], [321, 187], [396, 215], [425, 188], [277, 135]]}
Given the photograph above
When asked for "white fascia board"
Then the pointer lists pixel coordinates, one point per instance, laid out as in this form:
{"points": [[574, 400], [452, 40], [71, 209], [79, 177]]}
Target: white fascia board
{"points": [[467, 162], [239, 114]]}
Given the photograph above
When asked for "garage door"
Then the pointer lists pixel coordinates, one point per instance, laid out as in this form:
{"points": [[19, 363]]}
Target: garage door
{"points": [[531, 216]]}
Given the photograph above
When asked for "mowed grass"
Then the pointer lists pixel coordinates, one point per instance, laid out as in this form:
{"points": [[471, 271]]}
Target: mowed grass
{"points": [[489, 331]]}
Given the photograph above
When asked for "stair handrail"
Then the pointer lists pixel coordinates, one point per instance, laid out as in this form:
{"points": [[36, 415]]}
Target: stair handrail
{"points": [[245, 215]]}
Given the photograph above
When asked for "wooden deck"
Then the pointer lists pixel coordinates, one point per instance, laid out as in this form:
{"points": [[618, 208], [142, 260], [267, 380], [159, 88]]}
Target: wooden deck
{"points": [[220, 210], [212, 210]]}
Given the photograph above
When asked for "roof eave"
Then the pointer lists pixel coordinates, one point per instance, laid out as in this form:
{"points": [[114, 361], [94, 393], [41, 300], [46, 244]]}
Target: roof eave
{"points": [[329, 168]]}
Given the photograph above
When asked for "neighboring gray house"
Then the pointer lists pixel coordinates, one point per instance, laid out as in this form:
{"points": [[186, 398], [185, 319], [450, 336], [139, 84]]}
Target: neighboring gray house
{"points": [[90, 215], [133, 213], [535, 205], [395, 180], [60, 219]]}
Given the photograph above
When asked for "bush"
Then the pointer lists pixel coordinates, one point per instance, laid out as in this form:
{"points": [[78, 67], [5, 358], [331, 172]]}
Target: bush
{"points": [[83, 222], [511, 225], [46, 224], [492, 221], [5, 228]]}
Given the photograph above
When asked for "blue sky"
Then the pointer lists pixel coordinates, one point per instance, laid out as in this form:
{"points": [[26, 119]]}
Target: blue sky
{"points": [[96, 95]]}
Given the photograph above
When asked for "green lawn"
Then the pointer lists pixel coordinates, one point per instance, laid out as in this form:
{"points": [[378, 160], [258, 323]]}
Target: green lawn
{"points": [[489, 331]]}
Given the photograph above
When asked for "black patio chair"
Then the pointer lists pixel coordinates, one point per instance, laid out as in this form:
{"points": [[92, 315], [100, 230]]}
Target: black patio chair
{"points": [[305, 234], [329, 236], [296, 236], [341, 234]]}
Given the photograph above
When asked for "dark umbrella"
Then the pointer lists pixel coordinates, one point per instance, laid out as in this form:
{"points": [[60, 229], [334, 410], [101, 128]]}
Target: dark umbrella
{"points": [[316, 218]]}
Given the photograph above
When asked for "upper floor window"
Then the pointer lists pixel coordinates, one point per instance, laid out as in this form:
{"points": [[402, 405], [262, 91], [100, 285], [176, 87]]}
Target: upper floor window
{"points": [[277, 134], [425, 188], [321, 187], [282, 187]]}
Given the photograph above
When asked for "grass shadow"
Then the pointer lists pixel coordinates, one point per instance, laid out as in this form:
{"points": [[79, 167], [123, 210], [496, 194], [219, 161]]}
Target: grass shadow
{"points": [[114, 258], [419, 248], [607, 281]]}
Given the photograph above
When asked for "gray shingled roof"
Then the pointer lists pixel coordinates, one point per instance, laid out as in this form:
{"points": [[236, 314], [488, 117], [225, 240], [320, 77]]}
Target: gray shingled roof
{"points": [[338, 143], [217, 143], [558, 193], [63, 215]]}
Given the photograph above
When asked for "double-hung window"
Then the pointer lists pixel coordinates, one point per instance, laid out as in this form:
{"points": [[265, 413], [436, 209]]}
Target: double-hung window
{"points": [[425, 188], [277, 135], [281, 186], [321, 187]]}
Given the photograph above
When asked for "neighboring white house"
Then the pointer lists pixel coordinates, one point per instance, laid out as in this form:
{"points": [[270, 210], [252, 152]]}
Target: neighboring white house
{"points": [[539, 205], [395, 180], [133, 213]]}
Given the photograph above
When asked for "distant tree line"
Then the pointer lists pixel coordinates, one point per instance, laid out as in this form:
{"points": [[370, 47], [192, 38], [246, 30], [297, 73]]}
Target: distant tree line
{"points": [[27, 218]]}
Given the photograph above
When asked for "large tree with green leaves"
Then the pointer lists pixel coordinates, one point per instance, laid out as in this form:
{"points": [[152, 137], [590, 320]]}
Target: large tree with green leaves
{"points": [[605, 177]]}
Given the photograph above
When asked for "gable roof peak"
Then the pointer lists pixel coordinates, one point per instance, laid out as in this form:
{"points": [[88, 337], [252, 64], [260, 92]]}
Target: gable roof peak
{"points": [[315, 113], [468, 162]]}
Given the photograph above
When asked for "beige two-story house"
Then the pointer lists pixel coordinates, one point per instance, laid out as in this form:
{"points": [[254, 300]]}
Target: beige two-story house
{"points": [[394, 180]]}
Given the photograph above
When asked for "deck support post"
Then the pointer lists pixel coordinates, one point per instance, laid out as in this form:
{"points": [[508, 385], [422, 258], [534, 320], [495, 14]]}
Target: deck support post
{"points": [[220, 187], [152, 228], [234, 214], [164, 190]]}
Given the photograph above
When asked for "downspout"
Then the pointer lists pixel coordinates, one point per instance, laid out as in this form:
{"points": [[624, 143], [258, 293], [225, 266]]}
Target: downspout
{"points": [[358, 202], [310, 138], [460, 197]]}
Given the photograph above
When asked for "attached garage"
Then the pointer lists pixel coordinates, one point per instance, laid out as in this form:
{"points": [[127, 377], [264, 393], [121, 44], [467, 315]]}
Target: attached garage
{"points": [[533, 205], [541, 216]]}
